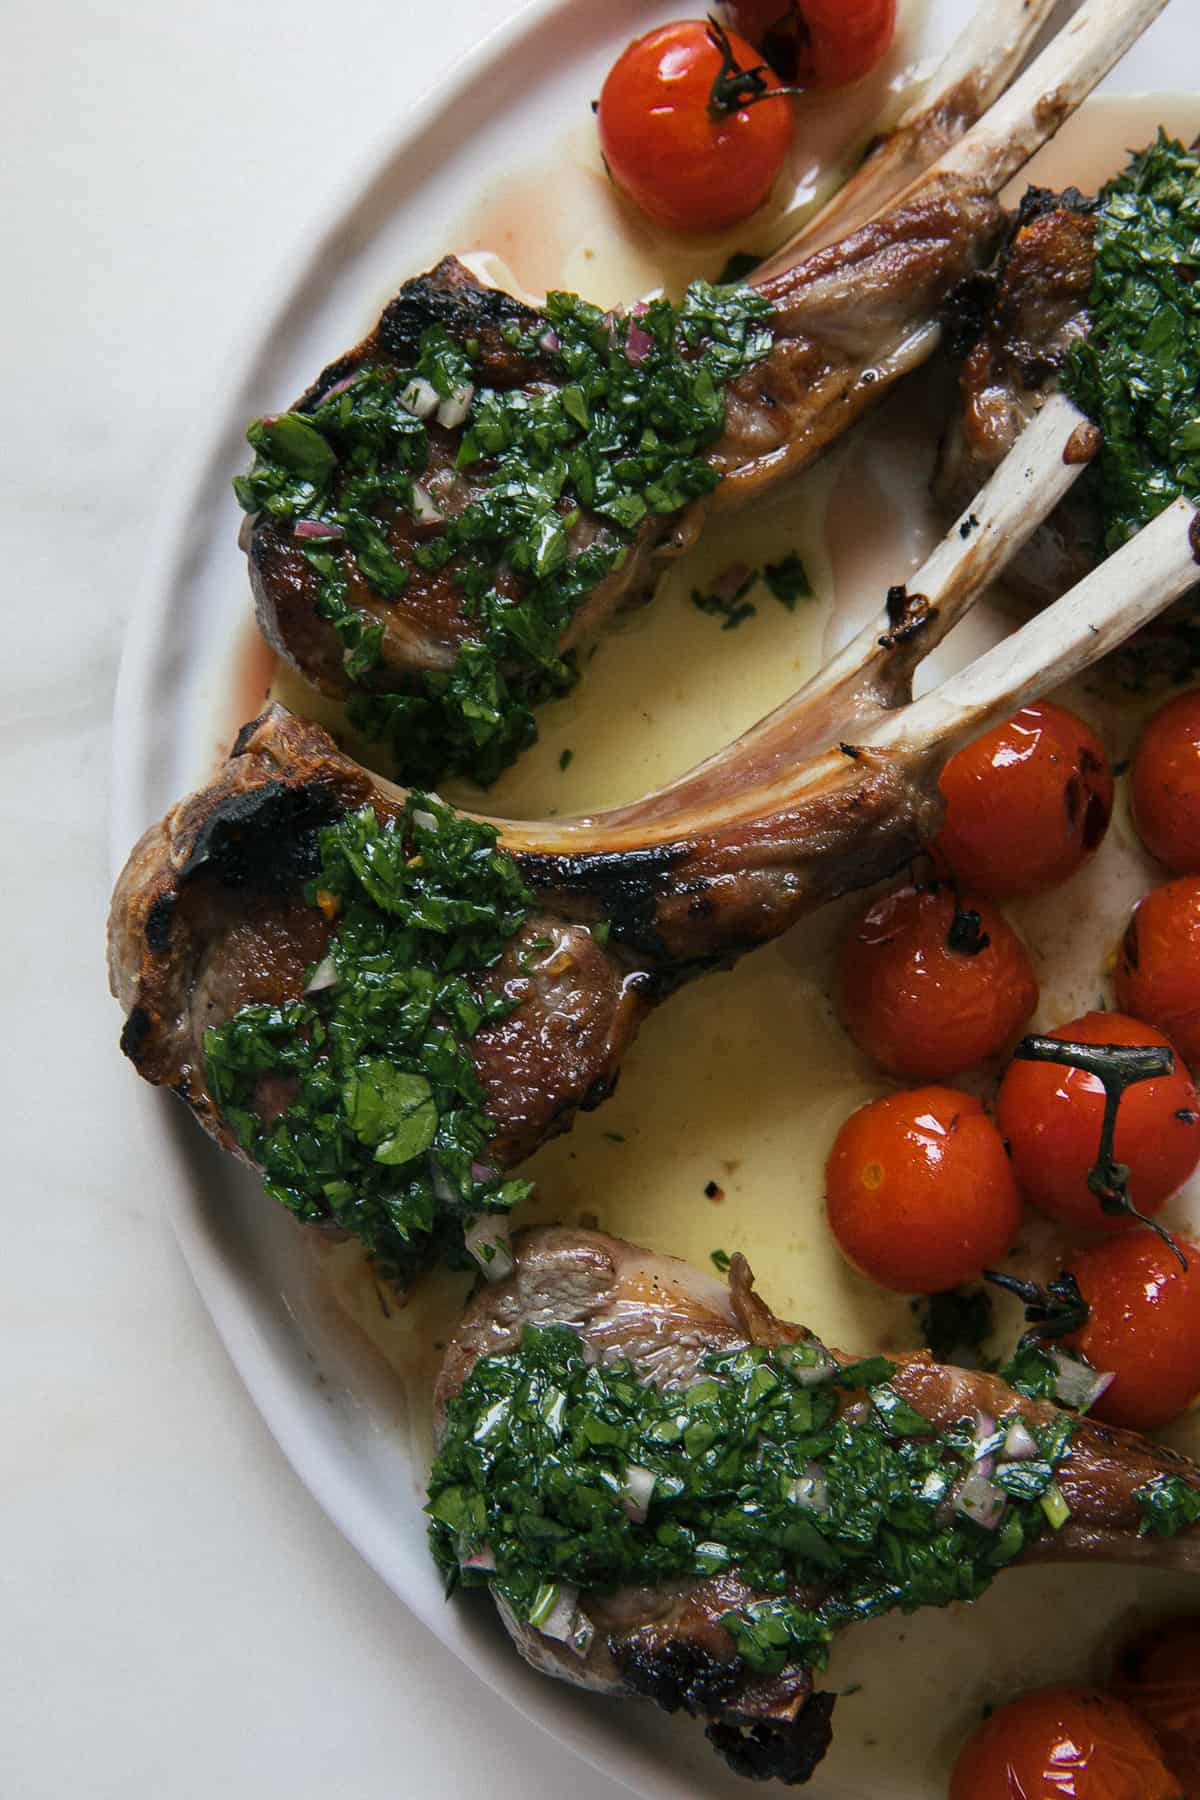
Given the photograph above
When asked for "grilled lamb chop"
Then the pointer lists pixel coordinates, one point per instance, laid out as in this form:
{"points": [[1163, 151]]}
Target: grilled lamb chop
{"points": [[1036, 308], [667, 1643], [209, 915], [845, 322]]}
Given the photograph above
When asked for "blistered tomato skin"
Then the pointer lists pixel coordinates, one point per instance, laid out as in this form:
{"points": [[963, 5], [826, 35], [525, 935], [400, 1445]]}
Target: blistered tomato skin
{"points": [[819, 43], [1051, 1117], [1165, 785], [1026, 804], [1143, 1327], [930, 984], [1159, 1676], [1157, 977], [686, 168], [919, 1192], [1063, 1743]]}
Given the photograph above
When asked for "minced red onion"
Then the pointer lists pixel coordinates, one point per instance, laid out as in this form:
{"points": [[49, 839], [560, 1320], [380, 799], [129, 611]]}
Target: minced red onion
{"points": [[638, 344], [730, 580], [339, 387], [420, 398], [1078, 1384], [636, 1491], [424, 510], [425, 820], [486, 1239], [979, 1498], [453, 411], [324, 976], [987, 1442], [317, 529], [484, 1558], [811, 1490], [481, 1172], [549, 339], [807, 1374], [566, 1624], [1019, 1443]]}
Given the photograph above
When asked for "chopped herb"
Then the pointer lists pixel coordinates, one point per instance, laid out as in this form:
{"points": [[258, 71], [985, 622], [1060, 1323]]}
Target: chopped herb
{"points": [[788, 581], [565, 759], [615, 441], [713, 1190], [539, 1443], [720, 1261], [1167, 1504], [733, 609], [867, 1373], [1031, 1372], [1137, 372], [385, 1128]]}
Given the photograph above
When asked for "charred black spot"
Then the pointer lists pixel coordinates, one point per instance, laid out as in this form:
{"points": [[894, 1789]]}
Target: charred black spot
{"points": [[969, 524], [789, 1753], [135, 1033], [907, 614], [1187, 1116], [1073, 801], [265, 838], [678, 1674], [626, 885], [448, 297], [245, 736], [965, 311], [158, 923]]}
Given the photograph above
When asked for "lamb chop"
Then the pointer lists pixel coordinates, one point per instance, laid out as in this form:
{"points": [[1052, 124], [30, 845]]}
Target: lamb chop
{"points": [[1031, 325], [698, 1636], [457, 504], [354, 990]]}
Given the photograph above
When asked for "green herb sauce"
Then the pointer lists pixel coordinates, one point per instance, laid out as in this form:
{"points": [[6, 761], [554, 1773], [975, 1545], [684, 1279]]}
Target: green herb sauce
{"points": [[386, 1133], [1137, 372], [619, 436], [752, 1471], [1167, 1504]]}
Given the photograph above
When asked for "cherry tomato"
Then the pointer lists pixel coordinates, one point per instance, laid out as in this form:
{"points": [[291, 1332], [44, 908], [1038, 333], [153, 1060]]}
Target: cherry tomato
{"points": [[819, 43], [1166, 785], [1158, 970], [1026, 804], [930, 985], [1159, 1676], [919, 1192], [1143, 1327], [1063, 1743], [1052, 1117], [687, 166]]}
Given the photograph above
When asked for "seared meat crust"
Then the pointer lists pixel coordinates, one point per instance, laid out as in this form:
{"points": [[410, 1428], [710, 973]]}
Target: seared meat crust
{"points": [[667, 1643]]}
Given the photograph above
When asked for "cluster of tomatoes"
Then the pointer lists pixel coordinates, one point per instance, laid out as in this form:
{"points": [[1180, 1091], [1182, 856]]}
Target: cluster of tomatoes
{"points": [[695, 126], [925, 1188]]}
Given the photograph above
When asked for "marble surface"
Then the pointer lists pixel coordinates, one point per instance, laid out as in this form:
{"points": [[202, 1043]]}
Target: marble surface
{"points": [[178, 1618]]}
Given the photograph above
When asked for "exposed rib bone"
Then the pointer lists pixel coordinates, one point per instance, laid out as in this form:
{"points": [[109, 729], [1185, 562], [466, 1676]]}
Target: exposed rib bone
{"points": [[873, 673], [209, 913], [975, 71]]}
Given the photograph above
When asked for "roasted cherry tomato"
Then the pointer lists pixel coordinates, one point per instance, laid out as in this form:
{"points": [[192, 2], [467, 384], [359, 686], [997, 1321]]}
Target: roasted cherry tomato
{"points": [[1143, 1327], [1159, 1676], [931, 984], [919, 1191], [1026, 804], [1166, 785], [1052, 1116], [1157, 976], [819, 43], [1063, 1743], [692, 159]]}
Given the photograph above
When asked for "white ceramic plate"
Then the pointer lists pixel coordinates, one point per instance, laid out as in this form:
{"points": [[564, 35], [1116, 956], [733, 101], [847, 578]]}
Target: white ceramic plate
{"points": [[327, 1398]]}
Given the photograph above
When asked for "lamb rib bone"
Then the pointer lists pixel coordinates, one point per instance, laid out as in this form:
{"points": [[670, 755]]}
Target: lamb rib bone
{"points": [[208, 915], [663, 1316], [849, 321], [873, 673]]}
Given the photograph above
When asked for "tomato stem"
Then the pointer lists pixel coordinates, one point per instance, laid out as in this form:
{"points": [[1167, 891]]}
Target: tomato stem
{"points": [[735, 88], [1116, 1067], [1051, 1312]]}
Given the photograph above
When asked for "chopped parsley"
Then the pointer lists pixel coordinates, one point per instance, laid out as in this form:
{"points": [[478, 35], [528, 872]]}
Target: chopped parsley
{"points": [[618, 438], [787, 580], [1137, 372], [360, 1102], [731, 608], [751, 1469], [1167, 1504]]}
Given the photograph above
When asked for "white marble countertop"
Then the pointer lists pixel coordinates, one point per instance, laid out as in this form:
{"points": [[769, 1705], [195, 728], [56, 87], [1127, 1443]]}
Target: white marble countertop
{"points": [[179, 1618]]}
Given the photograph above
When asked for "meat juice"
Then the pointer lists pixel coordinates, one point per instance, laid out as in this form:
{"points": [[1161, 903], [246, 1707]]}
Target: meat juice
{"points": [[729, 1100]]}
